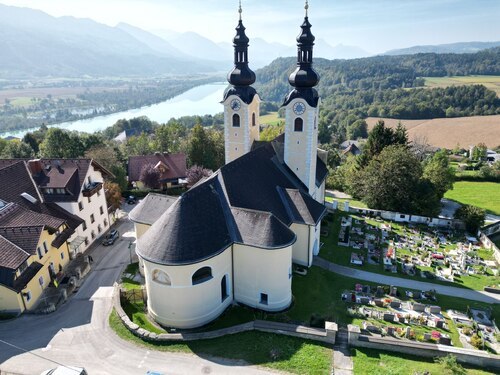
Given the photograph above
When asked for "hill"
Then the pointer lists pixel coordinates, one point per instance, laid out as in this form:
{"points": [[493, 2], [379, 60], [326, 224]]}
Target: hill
{"points": [[448, 132], [461, 47], [35, 44]]}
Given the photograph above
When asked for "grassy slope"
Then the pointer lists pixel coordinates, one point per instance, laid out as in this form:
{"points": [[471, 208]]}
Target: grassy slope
{"points": [[374, 362], [271, 119], [482, 194], [293, 354]]}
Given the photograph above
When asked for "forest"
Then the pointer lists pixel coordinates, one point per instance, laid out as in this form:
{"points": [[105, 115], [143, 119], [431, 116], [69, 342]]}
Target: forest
{"points": [[389, 86]]}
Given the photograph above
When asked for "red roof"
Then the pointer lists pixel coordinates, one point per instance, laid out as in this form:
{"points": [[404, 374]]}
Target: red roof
{"points": [[171, 166]]}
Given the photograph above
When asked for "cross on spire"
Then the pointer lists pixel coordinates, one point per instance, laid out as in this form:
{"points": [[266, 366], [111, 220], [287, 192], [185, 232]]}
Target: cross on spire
{"points": [[306, 7], [240, 10]]}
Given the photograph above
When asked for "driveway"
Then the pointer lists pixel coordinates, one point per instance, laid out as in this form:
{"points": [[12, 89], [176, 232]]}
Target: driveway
{"points": [[78, 333]]}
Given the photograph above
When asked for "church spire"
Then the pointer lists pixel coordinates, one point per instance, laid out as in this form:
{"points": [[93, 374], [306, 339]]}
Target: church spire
{"points": [[305, 76], [241, 75]]}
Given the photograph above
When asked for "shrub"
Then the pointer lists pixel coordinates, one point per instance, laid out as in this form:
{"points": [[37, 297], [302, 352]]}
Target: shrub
{"points": [[476, 341]]}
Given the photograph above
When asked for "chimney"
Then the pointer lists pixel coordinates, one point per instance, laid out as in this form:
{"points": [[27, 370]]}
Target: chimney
{"points": [[35, 166]]}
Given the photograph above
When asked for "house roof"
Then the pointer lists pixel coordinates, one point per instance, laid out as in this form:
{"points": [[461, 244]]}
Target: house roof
{"points": [[250, 201], [26, 238], [349, 142], [173, 166], [15, 180], [58, 173], [151, 208], [20, 283], [352, 148], [12, 256], [15, 215]]}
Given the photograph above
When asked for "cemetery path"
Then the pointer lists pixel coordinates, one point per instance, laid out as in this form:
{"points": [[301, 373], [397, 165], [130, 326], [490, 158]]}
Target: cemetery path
{"points": [[474, 295]]}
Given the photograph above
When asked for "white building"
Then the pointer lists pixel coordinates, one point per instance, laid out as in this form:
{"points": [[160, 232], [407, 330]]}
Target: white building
{"points": [[232, 238]]}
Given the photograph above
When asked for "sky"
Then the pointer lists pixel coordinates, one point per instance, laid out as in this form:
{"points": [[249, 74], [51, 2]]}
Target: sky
{"points": [[374, 25]]}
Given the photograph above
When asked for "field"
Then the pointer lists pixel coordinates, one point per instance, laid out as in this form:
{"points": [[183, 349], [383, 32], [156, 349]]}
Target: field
{"points": [[22, 97], [448, 132], [271, 119], [482, 194], [491, 82]]}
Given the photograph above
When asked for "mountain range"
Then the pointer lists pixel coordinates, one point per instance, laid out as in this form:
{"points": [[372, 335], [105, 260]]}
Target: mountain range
{"points": [[34, 44]]}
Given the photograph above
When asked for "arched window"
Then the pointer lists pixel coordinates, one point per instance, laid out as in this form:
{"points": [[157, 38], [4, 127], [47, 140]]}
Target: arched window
{"points": [[299, 124], [236, 120], [161, 277], [202, 275], [253, 119]]}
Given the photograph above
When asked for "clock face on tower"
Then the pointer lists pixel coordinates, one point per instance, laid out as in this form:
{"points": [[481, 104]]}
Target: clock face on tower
{"points": [[299, 108], [235, 105]]}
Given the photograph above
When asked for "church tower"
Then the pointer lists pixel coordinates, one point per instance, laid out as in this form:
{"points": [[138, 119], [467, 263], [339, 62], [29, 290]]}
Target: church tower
{"points": [[302, 111], [241, 102]]}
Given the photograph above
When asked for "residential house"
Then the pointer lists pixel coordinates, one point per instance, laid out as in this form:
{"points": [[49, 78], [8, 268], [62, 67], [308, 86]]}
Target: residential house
{"points": [[33, 254], [74, 186], [171, 168]]}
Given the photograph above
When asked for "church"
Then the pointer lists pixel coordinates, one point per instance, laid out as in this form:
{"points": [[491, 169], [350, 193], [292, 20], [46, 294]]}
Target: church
{"points": [[233, 237]]}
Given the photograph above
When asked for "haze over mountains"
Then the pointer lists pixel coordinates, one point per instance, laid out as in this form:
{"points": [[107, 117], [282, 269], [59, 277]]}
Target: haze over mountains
{"points": [[35, 44]]}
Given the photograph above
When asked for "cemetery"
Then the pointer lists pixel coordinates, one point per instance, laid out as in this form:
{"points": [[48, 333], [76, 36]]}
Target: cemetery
{"points": [[409, 250], [387, 311]]}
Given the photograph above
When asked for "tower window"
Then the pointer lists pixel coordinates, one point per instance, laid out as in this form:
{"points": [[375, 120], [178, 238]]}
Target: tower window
{"points": [[299, 124], [253, 119], [236, 120]]}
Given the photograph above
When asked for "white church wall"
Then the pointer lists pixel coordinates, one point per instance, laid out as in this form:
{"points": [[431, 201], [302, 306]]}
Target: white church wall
{"points": [[260, 271], [182, 304], [301, 251]]}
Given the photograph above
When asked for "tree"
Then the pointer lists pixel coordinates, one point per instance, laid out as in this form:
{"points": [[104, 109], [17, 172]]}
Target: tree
{"points": [[139, 145], [107, 156], [150, 176], [30, 139], [451, 365], [358, 129], [393, 181], [479, 152], [206, 148], [270, 132], [439, 173], [3, 144], [196, 173], [113, 195], [472, 216], [16, 149], [59, 143]]}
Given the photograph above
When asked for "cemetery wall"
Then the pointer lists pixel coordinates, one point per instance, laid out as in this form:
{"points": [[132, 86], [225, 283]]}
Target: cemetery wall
{"points": [[467, 356], [484, 236], [401, 218]]}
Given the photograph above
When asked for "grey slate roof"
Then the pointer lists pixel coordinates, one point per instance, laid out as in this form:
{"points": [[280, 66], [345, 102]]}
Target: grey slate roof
{"points": [[252, 200], [151, 208], [12, 256]]}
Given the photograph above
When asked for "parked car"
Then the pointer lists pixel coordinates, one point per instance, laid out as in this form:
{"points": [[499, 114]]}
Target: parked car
{"points": [[65, 370], [131, 199], [110, 238]]}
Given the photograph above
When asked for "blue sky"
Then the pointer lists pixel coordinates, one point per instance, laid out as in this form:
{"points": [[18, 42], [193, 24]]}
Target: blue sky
{"points": [[374, 25]]}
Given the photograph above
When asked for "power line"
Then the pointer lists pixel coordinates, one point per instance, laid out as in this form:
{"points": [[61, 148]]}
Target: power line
{"points": [[37, 355]]}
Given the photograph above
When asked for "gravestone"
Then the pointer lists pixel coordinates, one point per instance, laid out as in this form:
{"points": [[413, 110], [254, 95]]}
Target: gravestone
{"points": [[443, 340], [379, 302], [418, 307], [396, 304], [435, 310], [364, 300], [390, 331], [427, 336], [389, 317], [440, 324], [408, 332], [394, 290], [380, 292]]}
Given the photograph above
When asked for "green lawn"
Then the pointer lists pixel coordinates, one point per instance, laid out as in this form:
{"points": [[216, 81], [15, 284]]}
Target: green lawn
{"points": [[375, 362], [491, 82], [282, 353], [482, 194], [352, 202]]}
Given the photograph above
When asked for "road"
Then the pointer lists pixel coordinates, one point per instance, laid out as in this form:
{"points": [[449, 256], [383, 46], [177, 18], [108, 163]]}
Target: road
{"points": [[78, 333], [474, 295]]}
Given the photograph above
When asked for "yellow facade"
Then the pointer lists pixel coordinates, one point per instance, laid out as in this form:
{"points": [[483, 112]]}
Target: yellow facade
{"points": [[29, 297]]}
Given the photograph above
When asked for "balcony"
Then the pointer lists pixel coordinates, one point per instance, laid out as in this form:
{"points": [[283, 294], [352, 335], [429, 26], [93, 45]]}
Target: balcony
{"points": [[91, 189]]}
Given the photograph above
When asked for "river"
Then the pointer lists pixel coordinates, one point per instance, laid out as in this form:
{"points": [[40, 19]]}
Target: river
{"points": [[199, 101]]}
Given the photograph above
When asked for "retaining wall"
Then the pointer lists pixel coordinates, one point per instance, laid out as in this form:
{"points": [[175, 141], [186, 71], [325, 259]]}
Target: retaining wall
{"points": [[484, 236], [467, 356], [327, 335]]}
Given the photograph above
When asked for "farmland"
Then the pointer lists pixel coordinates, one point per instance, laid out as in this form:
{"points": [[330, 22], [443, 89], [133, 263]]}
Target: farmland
{"points": [[448, 132], [482, 194], [490, 82]]}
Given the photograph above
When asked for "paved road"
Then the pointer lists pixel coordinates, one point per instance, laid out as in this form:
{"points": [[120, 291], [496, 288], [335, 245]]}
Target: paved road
{"points": [[78, 333], [407, 283]]}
